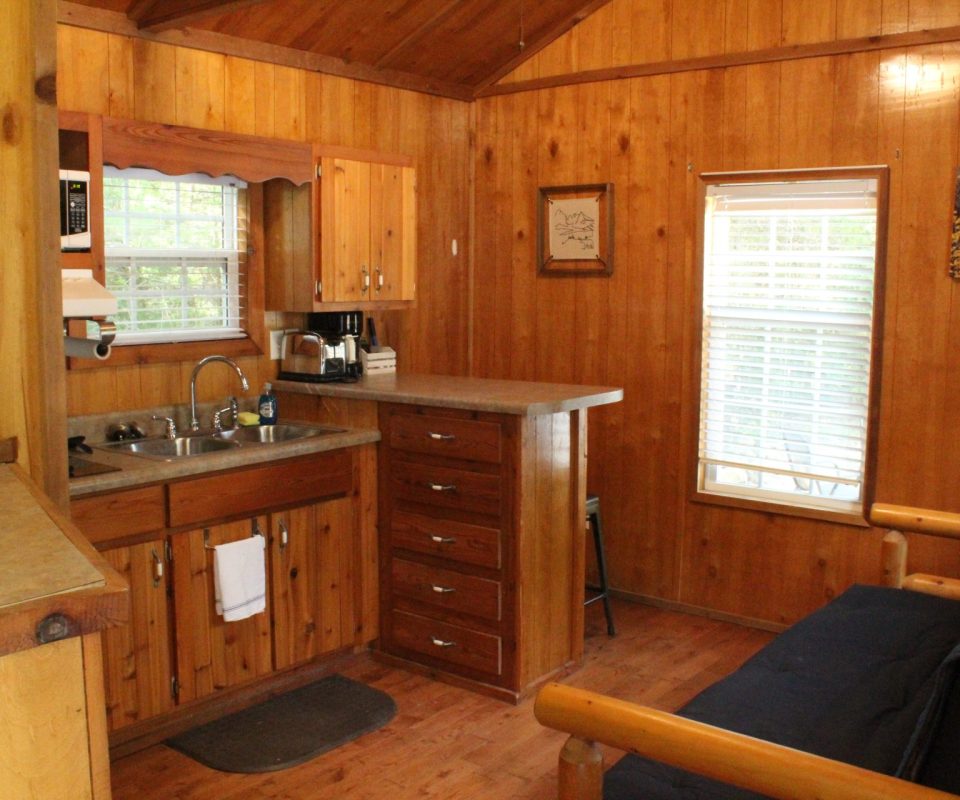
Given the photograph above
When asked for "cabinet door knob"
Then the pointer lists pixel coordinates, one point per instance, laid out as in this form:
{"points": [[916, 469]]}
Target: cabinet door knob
{"points": [[442, 589], [441, 437], [443, 487], [441, 642], [442, 539]]}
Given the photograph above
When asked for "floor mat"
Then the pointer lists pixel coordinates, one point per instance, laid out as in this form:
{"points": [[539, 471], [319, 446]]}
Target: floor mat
{"points": [[290, 728]]}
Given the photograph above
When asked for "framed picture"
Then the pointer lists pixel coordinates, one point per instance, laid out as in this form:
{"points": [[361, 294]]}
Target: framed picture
{"points": [[575, 229]]}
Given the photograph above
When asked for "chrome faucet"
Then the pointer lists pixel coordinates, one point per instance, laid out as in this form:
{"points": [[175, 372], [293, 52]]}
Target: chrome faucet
{"points": [[194, 422]]}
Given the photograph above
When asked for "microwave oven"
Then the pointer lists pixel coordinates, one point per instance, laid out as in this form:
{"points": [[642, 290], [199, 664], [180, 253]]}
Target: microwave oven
{"points": [[74, 210]]}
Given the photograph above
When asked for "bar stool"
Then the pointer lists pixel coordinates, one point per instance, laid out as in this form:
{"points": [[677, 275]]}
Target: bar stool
{"points": [[603, 591]]}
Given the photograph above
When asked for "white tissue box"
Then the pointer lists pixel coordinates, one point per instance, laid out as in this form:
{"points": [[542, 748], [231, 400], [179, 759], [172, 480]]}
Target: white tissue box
{"points": [[378, 361]]}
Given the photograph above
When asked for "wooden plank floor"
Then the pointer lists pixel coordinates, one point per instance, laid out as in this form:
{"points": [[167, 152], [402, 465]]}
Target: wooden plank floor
{"points": [[450, 743]]}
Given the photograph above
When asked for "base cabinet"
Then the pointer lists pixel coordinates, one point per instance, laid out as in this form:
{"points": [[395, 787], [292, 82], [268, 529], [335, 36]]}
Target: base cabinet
{"points": [[481, 536], [177, 650]]}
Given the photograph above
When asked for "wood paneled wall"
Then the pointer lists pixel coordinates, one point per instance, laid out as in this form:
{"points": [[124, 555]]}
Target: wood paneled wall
{"points": [[31, 349], [626, 32], [652, 136], [133, 78]]}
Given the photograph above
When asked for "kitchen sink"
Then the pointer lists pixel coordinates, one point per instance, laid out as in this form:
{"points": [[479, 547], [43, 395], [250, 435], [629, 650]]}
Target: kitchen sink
{"points": [[167, 449], [281, 432], [203, 443]]}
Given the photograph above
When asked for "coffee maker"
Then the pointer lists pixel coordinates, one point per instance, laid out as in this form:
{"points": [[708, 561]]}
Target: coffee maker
{"points": [[341, 327]]}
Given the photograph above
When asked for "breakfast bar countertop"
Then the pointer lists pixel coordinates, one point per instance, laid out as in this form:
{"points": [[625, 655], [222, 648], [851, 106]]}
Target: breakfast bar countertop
{"points": [[525, 398]]}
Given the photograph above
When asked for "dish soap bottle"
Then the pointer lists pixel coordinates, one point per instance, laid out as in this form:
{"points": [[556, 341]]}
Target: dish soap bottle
{"points": [[268, 406]]}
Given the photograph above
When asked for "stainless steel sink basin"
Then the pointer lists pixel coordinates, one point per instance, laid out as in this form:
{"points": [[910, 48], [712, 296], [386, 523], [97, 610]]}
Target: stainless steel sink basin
{"points": [[167, 449], [202, 443], [281, 432]]}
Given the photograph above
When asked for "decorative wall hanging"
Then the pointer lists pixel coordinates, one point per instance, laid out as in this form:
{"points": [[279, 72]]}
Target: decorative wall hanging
{"points": [[575, 229]]}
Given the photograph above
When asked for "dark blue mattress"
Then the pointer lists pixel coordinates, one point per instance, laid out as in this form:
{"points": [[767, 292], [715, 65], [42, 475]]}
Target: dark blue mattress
{"points": [[850, 682]]}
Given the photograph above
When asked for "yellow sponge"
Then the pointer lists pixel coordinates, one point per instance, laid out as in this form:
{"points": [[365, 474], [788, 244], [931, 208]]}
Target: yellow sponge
{"points": [[248, 418]]}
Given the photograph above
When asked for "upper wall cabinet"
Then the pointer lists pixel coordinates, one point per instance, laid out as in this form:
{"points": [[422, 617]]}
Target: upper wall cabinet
{"points": [[347, 241]]}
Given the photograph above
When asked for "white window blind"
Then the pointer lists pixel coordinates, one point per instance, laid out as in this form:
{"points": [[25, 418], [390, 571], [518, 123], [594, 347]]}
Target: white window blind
{"points": [[788, 290], [175, 255]]}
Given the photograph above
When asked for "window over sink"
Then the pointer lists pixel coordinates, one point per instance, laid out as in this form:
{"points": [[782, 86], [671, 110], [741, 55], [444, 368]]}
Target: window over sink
{"points": [[176, 255]]}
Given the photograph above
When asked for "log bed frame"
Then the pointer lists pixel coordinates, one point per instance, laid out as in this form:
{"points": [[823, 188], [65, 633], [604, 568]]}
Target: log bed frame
{"points": [[770, 769]]}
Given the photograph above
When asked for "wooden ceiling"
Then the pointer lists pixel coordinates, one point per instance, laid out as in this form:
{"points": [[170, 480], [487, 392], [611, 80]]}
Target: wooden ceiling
{"points": [[453, 48]]}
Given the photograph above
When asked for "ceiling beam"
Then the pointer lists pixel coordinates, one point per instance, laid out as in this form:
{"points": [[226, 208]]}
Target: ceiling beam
{"points": [[98, 19], [783, 53], [162, 15], [555, 31]]}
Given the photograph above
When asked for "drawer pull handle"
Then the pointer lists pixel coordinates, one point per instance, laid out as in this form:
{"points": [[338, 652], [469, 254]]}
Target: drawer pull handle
{"points": [[442, 539], [442, 589], [284, 537], [441, 437], [441, 643], [442, 487]]}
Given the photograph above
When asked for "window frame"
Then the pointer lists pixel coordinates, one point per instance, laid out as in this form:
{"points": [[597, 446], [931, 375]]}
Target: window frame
{"points": [[252, 344], [881, 175]]}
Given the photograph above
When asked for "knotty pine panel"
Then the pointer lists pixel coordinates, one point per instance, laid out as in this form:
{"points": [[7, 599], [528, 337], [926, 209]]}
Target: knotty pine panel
{"points": [[898, 108], [626, 32], [135, 78]]}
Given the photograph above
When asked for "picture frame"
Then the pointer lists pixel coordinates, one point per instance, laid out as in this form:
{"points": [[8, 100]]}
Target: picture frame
{"points": [[575, 230]]}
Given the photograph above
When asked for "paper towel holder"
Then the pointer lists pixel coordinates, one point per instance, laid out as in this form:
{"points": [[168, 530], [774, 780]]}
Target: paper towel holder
{"points": [[84, 347]]}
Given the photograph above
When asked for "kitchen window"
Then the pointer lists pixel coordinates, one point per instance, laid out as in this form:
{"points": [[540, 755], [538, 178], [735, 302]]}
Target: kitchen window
{"points": [[791, 280], [176, 255]]}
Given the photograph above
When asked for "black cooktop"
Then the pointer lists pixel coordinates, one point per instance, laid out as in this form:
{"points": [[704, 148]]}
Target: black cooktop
{"points": [[81, 468]]}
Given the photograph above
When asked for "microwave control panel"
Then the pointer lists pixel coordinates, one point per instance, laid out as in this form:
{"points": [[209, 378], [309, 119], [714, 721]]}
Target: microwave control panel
{"points": [[74, 210]]}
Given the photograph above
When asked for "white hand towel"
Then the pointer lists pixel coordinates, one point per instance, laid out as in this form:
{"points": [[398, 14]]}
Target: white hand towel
{"points": [[240, 578]]}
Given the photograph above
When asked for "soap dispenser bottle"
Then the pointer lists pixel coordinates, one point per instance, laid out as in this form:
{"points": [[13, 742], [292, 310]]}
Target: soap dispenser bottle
{"points": [[268, 406]]}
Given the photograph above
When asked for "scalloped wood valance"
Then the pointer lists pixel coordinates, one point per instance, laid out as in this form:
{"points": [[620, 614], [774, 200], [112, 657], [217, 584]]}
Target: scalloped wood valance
{"points": [[178, 150]]}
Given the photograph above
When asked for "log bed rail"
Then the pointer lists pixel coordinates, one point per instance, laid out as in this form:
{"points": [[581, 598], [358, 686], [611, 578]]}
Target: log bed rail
{"points": [[752, 764]]}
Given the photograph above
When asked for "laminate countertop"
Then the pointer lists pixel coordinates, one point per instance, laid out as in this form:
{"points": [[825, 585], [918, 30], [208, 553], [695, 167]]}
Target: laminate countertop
{"points": [[135, 470], [38, 559], [526, 398]]}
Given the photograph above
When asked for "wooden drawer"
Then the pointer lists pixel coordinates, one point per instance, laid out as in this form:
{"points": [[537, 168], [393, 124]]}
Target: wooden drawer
{"points": [[456, 541], [119, 514], [245, 491], [469, 439], [453, 644], [446, 589], [446, 487]]}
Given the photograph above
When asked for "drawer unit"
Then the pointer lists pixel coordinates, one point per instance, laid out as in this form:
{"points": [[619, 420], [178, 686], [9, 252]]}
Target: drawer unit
{"points": [[446, 589], [481, 544], [445, 642], [445, 600], [445, 487], [467, 439], [119, 514], [458, 542]]}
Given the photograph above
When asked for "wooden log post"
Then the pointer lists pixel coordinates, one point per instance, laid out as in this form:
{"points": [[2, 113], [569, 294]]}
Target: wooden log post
{"points": [[580, 771], [894, 559]]}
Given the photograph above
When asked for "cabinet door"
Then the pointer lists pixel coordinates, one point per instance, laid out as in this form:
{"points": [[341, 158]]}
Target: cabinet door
{"points": [[315, 567], [393, 231], [137, 656], [294, 586], [213, 654], [345, 230]]}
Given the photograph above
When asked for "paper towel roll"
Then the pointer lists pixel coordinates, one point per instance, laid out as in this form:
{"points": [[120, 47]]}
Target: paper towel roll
{"points": [[75, 347]]}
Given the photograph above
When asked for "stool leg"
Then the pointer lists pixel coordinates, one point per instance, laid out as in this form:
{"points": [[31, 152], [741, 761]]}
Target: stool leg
{"points": [[602, 569]]}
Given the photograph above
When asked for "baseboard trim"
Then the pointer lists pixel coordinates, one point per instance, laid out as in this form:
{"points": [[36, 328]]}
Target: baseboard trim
{"points": [[699, 611]]}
